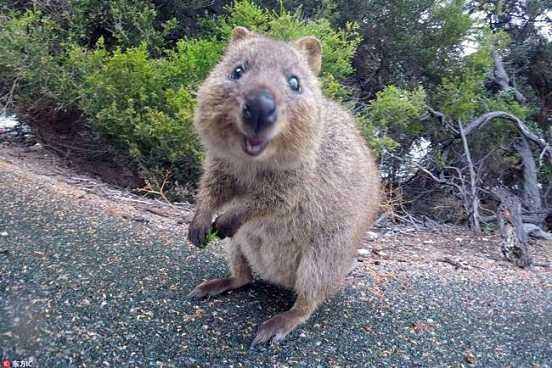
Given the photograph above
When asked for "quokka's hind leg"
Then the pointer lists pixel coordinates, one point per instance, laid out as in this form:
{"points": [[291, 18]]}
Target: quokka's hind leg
{"points": [[241, 276], [319, 275], [276, 328]]}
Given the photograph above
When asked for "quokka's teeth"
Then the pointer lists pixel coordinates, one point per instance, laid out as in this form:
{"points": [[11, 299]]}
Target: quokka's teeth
{"points": [[253, 148]]}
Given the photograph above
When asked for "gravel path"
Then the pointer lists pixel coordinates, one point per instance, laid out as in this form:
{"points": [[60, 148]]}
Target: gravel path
{"points": [[80, 286]]}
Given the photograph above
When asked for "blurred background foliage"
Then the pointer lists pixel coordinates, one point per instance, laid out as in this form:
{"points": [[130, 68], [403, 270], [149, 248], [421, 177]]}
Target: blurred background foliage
{"points": [[126, 72]]}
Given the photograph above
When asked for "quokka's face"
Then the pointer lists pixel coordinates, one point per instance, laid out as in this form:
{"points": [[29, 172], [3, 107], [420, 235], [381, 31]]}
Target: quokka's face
{"points": [[261, 101]]}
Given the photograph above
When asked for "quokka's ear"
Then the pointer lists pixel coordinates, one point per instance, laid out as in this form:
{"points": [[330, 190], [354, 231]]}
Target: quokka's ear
{"points": [[312, 49], [240, 33]]}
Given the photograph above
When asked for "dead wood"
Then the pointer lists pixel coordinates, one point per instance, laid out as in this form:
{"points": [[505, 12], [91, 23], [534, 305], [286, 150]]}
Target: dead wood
{"points": [[514, 245]]}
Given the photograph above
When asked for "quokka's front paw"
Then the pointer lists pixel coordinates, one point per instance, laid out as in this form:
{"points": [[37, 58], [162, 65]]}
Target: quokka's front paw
{"points": [[199, 229], [227, 224]]}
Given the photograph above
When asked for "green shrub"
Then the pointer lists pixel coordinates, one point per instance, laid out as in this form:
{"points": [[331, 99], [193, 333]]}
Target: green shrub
{"points": [[144, 106], [32, 72], [121, 23], [393, 114]]}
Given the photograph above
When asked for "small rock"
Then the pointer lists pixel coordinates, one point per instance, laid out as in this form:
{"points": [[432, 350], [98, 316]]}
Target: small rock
{"points": [[36, 147], [372, 235], [420, 327], [7, 122], [140, 219], [363, 252], [470, 357], [4, 233]]}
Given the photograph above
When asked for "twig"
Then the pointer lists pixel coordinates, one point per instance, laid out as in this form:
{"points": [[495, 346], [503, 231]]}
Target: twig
{"points": [[9, 96], [453, 263], [161, 192]]}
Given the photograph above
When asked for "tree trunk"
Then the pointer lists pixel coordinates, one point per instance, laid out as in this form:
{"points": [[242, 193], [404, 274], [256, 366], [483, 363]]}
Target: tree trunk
{"points": [[531, 192], [514, 239]]}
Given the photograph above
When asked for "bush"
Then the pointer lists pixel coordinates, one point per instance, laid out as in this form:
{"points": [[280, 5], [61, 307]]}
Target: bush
{"points": [[32, 70], [144, 106], [394, 115]]}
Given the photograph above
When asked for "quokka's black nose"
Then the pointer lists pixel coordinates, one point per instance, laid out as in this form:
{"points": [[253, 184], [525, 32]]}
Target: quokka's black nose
{"points": [[259, 111]]}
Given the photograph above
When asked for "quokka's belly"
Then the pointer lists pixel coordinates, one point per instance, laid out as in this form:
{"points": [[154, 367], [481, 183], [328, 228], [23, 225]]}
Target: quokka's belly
{"points": [[271, 250]]}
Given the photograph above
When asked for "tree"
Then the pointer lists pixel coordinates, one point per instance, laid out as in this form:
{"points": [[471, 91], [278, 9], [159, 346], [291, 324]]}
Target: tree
{"points": [[404, 42]]}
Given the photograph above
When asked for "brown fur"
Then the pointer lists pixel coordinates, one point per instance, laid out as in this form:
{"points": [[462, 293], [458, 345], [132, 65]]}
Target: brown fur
{"points": [[297, 212]]}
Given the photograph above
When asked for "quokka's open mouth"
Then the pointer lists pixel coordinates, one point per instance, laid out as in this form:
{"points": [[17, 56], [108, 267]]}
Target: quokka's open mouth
{"points": [[254, 146]]}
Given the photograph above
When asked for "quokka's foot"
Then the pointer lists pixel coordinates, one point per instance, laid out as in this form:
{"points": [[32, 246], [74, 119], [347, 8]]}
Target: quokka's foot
{"points": [[277, 328], [215, 287]]}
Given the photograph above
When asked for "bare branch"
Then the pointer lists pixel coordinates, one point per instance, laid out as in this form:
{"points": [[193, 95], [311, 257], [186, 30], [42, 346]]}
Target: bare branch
{"points": [[502, 78], [8, 98], [439, 115], [442, 118], [474, 208], [421, 168], [485, 118]]}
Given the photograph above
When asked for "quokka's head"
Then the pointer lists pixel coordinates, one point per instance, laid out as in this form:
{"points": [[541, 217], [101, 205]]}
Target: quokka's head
{"points": [[261, 102]]}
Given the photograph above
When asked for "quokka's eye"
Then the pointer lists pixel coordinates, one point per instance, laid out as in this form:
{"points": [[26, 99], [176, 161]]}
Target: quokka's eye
{"points": [[238, 72], [294, 84]]}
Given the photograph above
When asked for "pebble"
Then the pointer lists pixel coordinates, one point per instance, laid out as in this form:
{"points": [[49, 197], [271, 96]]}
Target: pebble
{"points": [[470, 357], [36, 147], [363, 252], [372, 235]]}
